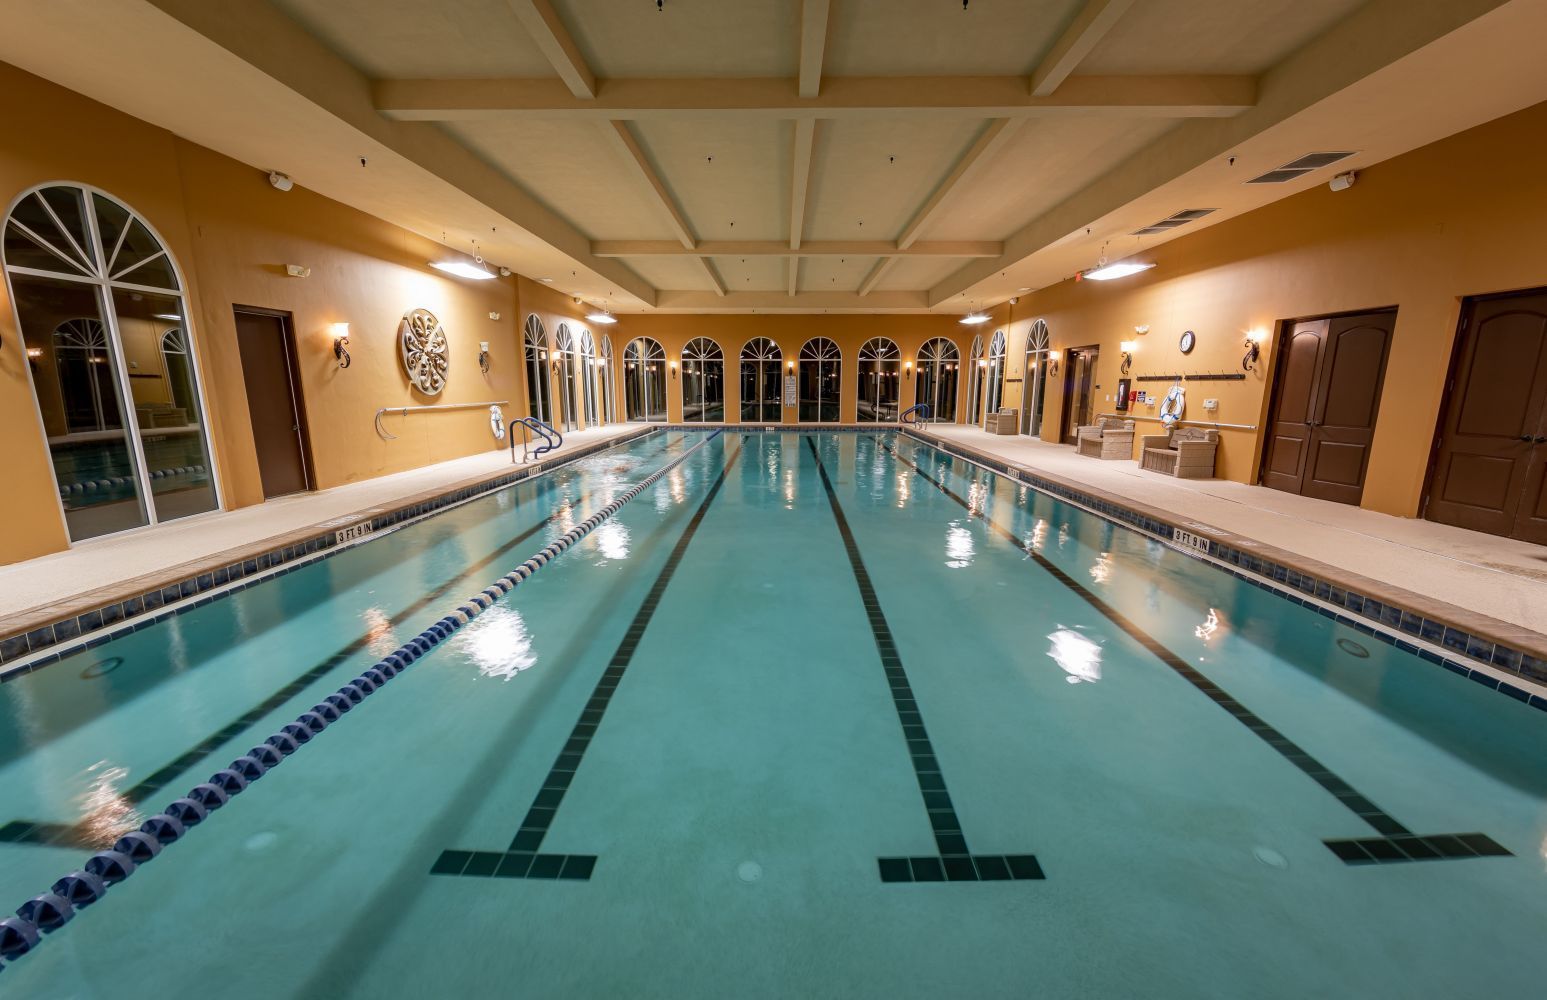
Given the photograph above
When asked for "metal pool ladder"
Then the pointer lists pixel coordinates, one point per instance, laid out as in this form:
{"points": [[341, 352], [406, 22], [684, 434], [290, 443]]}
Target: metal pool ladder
{"points": [[552, 439]]}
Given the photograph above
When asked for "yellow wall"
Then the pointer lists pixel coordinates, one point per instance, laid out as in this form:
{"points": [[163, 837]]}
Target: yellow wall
{"points": [[1463, 216]]}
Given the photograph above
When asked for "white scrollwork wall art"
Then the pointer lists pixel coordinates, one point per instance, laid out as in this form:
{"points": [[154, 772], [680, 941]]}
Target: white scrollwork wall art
{"points": [[425, 355]]}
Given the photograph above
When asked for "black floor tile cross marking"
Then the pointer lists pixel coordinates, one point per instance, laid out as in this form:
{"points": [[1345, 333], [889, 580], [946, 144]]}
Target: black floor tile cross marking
{"points": [[1395, 843], [954, 863], [524, 858]]}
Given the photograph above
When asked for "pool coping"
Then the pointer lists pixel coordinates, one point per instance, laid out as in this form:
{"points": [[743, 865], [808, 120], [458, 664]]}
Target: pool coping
{"points": [[34, 639], [1494, 653]]}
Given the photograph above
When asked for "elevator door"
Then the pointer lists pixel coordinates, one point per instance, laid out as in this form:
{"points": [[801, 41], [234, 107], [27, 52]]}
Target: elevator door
{"points": [[1079, 390], [273, 402], [1329, 384], [1492, 457]]}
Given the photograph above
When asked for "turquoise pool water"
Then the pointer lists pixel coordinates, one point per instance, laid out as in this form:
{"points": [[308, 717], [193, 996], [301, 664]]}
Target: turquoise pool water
{"points": [[744, 703]]}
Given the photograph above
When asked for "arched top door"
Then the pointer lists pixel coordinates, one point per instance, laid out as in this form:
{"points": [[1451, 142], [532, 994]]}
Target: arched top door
{"points": [[563, 340], [938, 349], [820, 349], [977, 346], [761, 349], [996, 346], [75, 231], [587, 344], [643, 349], [1037, 337], [606, 347], [535, 335], [879, 349], [702, 349]]}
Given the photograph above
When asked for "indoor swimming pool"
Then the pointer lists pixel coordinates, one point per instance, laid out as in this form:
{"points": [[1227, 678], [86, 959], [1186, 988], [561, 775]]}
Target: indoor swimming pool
{"points": [[826, 714]]}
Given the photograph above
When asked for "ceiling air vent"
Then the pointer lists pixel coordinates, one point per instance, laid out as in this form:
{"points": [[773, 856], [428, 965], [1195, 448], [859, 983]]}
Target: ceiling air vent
{"points": [[1299, 168], [1171, 222]]}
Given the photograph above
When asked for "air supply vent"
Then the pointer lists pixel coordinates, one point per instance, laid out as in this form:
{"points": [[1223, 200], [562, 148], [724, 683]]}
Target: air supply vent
{"points": [[1171, 222], [1300, 167]]}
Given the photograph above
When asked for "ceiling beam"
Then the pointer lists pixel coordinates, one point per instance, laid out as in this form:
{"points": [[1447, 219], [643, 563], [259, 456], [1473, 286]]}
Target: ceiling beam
{"points": [[714, 276], [841, 97], [876, 274], [542, 22], [623, 139], [792, 273], [980, 152], [800, 172], [810, 248], [778, 300], [1090, 25], [813, 42]]}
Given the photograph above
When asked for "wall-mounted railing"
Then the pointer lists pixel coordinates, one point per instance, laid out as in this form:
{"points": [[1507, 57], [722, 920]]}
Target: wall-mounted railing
{"points": [[405, 410]]}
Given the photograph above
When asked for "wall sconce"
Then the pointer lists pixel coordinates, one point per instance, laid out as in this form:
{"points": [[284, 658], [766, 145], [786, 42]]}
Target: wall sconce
{"points": [[1254, 339], [483, 356], [1128, 347], [341, 344], [34, 353], [792, 366], [673, 366], [1052, 363], [908, 365]]}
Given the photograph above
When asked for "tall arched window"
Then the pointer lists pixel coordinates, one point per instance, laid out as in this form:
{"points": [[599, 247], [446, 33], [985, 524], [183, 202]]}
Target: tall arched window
{"points": [[588, 376], [760, 376], [937, 378], [569, 377], [95, 291], [644, 380], [993, 375], [1036, 379], [821, 368], [608, 373], [536, 341], [880, 380], [179, 369], [976, 363], [703, 381]]}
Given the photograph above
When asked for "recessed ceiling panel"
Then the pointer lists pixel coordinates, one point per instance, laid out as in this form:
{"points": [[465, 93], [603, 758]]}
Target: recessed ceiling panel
{"points": [[684, 38], [574, 169], [752, 274], [938, 37], [731, 177], [1211, 36], [910, 274], [834, 274], [675, 273], [412, 39]]}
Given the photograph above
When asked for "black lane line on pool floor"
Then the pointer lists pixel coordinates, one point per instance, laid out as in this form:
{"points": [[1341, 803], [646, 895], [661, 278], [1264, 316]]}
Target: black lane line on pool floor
{"points": [[80, 835], [954, 863], [522, 858], [1396, 844]]}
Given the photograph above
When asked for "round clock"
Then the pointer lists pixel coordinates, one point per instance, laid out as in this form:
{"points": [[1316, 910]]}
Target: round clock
{"points": [[1188, 339]]}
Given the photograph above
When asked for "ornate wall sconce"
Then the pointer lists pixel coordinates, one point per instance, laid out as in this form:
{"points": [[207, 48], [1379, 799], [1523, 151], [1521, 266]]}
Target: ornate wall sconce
{"points": [[1254, 339], [341, 344], [483, 356], [673, 366], [1052, 363], [1128, 347]]}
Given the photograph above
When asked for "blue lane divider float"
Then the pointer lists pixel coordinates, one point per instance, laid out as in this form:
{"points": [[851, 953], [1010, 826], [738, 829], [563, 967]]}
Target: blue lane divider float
{"points": [[46, 912]]}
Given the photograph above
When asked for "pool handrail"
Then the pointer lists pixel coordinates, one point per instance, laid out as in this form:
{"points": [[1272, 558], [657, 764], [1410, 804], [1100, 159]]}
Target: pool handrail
{"points": [[916, 408], [552, 439]]}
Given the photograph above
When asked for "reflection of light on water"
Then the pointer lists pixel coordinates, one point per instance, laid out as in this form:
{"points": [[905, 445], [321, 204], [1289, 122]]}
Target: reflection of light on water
{"points": [[1038, 536], [904, 489], [1101, 571], [1209, 627], [104, 812], [1544, 853], [674, 493], [612, 540], [977, 493], [958, 546], [1078, 656], [789, 489], [565, 515], [378, 632], [1063, 535], [498, 643]]}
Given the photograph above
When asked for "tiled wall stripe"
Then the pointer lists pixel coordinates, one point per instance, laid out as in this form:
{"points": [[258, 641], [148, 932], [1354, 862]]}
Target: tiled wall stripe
{"points": [[98, 625], [1368, 615]]}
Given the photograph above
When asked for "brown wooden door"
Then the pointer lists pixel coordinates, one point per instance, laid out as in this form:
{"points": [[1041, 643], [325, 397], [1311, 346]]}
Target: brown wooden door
{"points": [[1079, 374], [273, 402], [1492, 456], [1329, 385]]}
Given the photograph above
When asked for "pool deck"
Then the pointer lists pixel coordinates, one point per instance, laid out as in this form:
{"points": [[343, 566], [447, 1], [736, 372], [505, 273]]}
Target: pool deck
{"points": [[50, 586], [1480, 576]]}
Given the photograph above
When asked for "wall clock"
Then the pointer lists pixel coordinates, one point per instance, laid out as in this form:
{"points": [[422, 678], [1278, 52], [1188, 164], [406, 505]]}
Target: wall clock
{"points": [[425, 357], [1187, 342]]}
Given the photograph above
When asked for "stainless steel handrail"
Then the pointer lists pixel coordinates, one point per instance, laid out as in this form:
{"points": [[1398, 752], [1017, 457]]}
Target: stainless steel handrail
{"points": [[405, 410], [1192, 423]]}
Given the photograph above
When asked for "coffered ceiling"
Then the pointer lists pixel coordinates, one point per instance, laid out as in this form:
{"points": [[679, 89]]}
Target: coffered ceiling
{"points": [[794, 155]]}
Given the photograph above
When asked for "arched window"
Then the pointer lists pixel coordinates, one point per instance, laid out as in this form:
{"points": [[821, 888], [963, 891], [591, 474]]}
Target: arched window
{"points": [[1035, 379], [880, 380], [537, 395], [607, 372], [760, 358], [588, 376], [821, 368], [644, 380], [569, 377], [976, 363], [96, 292], [703, 382], [937, 379], [993, 375]]}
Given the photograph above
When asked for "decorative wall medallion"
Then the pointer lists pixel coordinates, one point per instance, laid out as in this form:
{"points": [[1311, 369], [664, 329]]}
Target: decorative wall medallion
{"points": [[425, 357], [1187, 341]]}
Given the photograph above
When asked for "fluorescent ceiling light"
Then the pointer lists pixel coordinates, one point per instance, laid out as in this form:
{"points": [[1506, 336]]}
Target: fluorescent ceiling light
{"points": [[170, 316], [973, 319], [1121, 269], [462, 269], [605, 318]]}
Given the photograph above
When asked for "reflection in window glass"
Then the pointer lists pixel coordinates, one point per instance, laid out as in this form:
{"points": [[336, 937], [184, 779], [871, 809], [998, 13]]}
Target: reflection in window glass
{"points": [[644, 380], [703, 382], [880, 380], [820, 367], [760, 376], [937, 378], [536, 352]]}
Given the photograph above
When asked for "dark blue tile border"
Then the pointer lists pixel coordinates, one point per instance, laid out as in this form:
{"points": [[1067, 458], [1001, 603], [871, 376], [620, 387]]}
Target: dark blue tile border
{"points": [[1374, 617]]}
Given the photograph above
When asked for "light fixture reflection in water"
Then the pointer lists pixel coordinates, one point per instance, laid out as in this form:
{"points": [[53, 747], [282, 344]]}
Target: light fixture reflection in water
{"points": [[378, 632], [1101, 571], [611, 541], [958, 546], [498, 642], [1210, 625], [1077, 656], [105, 812]]}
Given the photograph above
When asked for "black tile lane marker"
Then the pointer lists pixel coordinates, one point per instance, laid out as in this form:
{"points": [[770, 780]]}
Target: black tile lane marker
{"points": [[523, 858], [81, 835], [954, 863], [1396, 842]]}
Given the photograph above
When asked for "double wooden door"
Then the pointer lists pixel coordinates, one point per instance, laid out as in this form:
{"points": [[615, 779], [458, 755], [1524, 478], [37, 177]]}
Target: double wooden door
{"points": [[1491, 460], [1329, 384]]}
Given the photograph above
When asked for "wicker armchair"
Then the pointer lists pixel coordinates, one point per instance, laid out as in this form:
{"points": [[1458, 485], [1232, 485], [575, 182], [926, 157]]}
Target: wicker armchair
{"points": [[1184, 452], [1006, 421], [1108, 438]]}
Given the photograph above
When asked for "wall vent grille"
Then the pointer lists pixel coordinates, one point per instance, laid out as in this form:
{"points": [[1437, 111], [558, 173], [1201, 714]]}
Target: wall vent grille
{"points": [[1300, 167], [1172, 221]]}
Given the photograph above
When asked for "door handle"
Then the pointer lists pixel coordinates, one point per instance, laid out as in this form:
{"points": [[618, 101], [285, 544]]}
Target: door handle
{"points": [[1526, 438], [1541, 440]]}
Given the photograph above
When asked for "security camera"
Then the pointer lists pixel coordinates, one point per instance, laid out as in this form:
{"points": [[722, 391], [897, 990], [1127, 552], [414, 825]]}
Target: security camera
{"points": [[1015, 299], [281, 182], [1343, 181], [504, 272]]}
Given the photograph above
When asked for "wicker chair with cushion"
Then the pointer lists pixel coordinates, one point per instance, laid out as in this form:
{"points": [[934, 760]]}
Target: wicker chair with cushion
{"points": [[1185, 452], [1109, 438], [1006, 421]]}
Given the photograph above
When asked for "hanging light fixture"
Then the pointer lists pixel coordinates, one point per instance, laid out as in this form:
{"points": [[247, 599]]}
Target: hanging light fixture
{"points": [[463, 269], [601, 316]]}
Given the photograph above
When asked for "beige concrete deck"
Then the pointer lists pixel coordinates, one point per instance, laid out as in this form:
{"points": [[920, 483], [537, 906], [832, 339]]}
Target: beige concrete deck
{"points": [[58, 580], [1486, 575]]}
